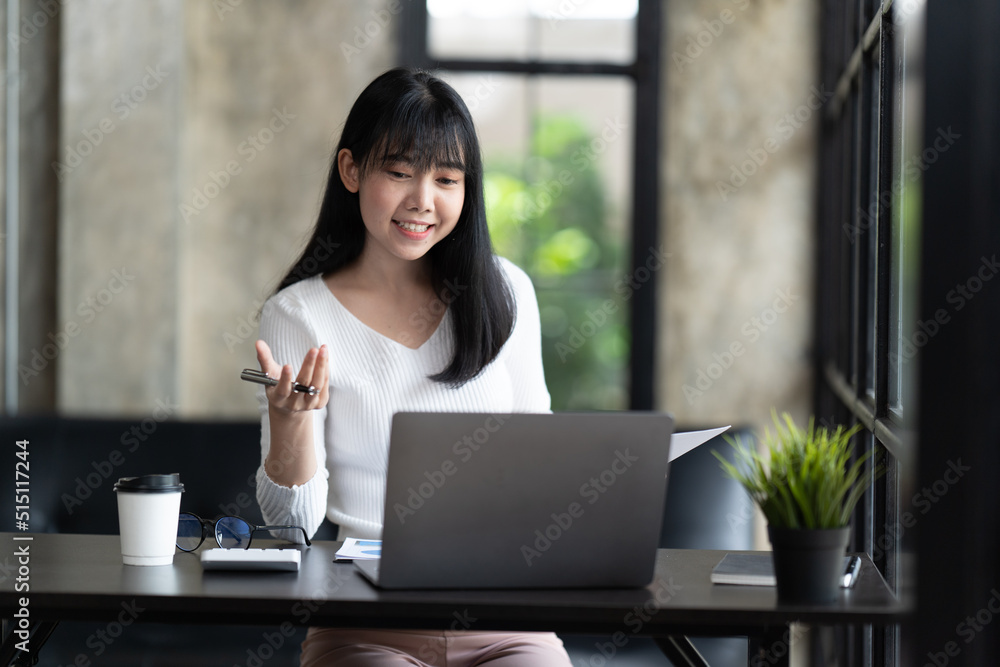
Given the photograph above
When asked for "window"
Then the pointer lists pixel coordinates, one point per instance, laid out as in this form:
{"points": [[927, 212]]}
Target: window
{"points": [[868, 225], [559, 92]]}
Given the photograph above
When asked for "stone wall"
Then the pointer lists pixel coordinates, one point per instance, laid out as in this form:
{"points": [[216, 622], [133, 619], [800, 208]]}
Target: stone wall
{"points": [[208, 128], [740, 98], [211, 127]]}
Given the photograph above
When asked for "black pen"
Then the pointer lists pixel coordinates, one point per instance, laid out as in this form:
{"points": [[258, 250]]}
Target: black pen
{"points": [[851, 574], [251, 375]]}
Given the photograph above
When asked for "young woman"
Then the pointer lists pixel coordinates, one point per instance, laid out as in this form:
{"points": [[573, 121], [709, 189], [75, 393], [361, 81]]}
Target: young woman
{"points": [[396, 304]]}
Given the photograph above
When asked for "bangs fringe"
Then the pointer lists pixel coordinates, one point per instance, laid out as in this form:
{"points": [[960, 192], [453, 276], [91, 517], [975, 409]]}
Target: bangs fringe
{"points": [[424, 135]]}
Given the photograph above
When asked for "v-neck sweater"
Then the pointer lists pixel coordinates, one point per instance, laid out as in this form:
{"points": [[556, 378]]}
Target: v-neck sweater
{"points": [[371, 378]]}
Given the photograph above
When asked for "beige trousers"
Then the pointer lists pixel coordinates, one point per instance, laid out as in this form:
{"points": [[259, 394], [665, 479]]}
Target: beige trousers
{"points": [[329, 647]]}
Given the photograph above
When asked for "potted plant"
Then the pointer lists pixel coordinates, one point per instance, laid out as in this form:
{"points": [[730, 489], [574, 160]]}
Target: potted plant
{"points": [[807, 487]]}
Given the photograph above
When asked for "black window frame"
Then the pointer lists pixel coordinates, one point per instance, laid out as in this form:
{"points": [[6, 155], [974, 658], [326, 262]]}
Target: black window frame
{"points": [[854, 274], [942, 556]]}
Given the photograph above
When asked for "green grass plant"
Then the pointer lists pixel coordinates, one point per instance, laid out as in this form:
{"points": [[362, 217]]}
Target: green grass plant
{"points": [[805, 478]]}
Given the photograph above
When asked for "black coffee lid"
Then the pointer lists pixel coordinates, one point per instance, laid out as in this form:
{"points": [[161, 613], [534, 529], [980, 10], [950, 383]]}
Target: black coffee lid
{"points": [[151, 483]]}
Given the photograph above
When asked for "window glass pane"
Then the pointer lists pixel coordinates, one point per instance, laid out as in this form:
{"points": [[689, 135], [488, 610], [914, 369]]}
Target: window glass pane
{"points": [[845, 248], [596, 30], [558, 171], [904, 340], [870, 220], [865, 443], [872, 7], [852, 27], [900, 211], [850, 256]]}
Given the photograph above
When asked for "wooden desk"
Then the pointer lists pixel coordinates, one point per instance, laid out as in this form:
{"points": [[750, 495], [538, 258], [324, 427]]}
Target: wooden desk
{"points": [[81, 577]]}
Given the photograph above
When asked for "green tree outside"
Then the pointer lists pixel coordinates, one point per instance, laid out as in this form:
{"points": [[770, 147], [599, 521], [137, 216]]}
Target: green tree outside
{"points": [[550, 215]]}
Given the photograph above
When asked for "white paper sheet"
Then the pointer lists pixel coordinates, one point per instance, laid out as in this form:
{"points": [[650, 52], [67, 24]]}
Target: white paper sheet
{"points": [[682, 443], [355, 549]]}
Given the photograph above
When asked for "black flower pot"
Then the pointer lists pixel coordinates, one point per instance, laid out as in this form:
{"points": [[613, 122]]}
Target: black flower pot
{"points": [[808, 563]]}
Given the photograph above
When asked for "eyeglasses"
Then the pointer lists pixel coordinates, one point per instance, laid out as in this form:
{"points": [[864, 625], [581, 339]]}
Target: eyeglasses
{"points": [[231, 532]]}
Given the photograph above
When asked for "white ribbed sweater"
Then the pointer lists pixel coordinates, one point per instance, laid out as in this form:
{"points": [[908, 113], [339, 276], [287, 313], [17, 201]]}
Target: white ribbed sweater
{"points": [[371, 378]]}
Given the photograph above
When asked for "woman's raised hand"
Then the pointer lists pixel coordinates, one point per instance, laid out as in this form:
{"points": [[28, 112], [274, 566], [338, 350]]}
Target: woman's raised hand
{"points": [[313, 372]]}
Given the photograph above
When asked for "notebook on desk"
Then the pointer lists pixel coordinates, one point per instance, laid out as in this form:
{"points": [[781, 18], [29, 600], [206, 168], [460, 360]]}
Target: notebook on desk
{"points": [[565, 500]]}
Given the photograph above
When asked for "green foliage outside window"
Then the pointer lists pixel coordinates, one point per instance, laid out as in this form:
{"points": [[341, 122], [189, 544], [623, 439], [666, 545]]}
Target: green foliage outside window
{"points": [[550, 216]]}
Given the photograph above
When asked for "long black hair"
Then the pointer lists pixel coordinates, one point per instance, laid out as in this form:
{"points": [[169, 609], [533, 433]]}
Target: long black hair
{"points": [[411, 113]]}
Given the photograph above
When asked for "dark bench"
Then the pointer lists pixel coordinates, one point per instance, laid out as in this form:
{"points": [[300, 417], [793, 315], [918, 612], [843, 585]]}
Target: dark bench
{"points": [[75, 463]]}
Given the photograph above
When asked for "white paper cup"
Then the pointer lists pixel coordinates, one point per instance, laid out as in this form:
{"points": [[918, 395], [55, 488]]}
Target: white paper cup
{"points": [[148, 508]]}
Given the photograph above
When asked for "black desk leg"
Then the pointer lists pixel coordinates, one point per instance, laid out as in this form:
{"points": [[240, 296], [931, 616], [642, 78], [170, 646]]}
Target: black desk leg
{"points": [[770, 647], [11, 655], [681, 651]]}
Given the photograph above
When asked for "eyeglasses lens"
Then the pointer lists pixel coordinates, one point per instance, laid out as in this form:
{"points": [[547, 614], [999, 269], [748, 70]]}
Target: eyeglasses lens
{"points": [[188, 532], [232, 533]]}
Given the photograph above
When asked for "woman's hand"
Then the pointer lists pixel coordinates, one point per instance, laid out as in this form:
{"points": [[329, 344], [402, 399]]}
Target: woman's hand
{"points": [[314, 372]]}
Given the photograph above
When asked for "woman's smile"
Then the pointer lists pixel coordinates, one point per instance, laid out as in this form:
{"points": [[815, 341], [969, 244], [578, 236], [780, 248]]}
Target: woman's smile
{"points": [[413, 229]]}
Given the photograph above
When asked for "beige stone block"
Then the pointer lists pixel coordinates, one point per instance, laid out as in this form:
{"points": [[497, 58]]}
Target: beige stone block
{"points": [[208, 128], [738, 210]]}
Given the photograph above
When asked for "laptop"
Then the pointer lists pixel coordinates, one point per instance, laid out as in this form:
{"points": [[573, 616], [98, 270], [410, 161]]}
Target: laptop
{"points": [[564, 500]]}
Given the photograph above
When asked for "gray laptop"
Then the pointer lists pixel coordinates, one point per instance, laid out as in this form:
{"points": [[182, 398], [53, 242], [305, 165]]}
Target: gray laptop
{"points": [[523, 500]]}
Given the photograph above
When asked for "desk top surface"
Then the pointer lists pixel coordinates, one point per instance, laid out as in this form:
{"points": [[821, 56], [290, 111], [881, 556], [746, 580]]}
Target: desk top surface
{"points": [[82, 577]]}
